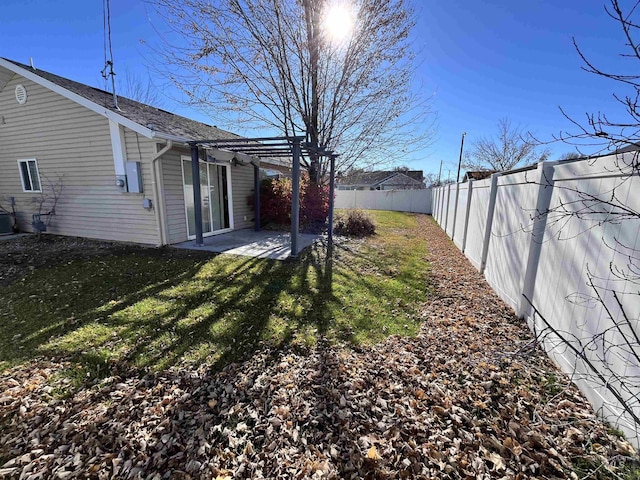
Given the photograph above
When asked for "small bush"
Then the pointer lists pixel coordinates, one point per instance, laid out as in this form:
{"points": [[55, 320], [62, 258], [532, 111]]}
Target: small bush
{"points": [[275, 202], [355, 223]]}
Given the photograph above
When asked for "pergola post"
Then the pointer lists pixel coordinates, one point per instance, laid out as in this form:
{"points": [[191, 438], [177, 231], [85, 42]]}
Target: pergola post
{"points": [[332, 183], [256, 196], [295, 198], [197, 197]]}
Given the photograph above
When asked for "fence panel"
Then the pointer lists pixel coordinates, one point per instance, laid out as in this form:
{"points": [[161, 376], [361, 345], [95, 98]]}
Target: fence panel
{"points": [[584, 287], [477, 221], [461, 214], [510, 235], [451, 208], [435, 194], [417, 201], [567, 237]]}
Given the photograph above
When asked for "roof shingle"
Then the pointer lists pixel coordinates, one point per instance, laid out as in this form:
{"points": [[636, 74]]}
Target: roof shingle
{"points": [[151, 117]]}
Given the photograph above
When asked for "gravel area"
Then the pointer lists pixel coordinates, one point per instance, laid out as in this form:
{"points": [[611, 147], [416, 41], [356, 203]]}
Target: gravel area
{"points": [[17, 258], [471, 397]]}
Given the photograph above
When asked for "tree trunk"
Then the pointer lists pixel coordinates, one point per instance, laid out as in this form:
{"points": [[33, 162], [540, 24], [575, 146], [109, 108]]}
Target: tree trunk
{"points": [[312, 17]]}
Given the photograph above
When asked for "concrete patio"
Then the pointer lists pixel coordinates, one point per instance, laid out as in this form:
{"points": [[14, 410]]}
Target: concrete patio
{"points": [[13, 236], [249, 243]]}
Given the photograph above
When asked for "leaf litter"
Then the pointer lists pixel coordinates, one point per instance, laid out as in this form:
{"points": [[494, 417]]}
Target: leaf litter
{"points": [[471, 397]]}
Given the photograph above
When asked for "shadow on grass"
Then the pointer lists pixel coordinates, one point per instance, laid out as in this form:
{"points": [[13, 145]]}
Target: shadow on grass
{"points": [[146, 309]]}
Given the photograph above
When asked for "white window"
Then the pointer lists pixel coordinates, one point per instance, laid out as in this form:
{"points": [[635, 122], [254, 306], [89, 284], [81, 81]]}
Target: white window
{"points": [[29, 175]]}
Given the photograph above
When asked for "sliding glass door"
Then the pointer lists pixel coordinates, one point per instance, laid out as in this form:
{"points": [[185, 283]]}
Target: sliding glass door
{"points": [[215, 191]]}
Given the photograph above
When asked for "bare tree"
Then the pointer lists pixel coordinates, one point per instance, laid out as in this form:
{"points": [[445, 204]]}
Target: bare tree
{"points": [[511, 148], [46, 203], [600, 130], [135, 87], [571, 155], [275, 65], [10, 208]]}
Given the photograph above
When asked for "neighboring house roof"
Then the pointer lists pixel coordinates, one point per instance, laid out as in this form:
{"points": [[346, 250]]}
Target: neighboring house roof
{"points": [[373, 179], [478, 175]]}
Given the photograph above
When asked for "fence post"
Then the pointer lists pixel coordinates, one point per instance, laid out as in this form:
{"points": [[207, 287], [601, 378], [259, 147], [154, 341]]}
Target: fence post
{"points": [[466, 215], [539, 217], [432, 193], [446, 216], [455, 212], [487, 229], [442, 206]]}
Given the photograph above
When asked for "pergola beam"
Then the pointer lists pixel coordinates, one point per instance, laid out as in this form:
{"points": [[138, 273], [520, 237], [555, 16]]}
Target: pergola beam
{"points": [[332, 183], [275, 147], [295, 199]]}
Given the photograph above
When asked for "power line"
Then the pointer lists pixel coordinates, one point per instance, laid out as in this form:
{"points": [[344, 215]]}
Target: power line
{"points": [[107, 71]]}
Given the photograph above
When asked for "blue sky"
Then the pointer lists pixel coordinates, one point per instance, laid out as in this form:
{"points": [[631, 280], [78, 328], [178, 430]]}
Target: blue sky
{"points": [[481, 60]]}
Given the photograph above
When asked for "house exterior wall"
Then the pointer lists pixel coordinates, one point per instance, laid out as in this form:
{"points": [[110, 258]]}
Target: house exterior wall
{"points": [[175, 214], [70, 141], [242, 188], [174, 206]]}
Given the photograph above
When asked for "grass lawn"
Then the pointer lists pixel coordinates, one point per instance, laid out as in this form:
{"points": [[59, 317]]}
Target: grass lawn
{"points": [[151, 309]]}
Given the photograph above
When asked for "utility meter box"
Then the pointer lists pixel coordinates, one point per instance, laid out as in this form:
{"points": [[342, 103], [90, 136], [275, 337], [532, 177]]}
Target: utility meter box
{"points": [[134, 177]]}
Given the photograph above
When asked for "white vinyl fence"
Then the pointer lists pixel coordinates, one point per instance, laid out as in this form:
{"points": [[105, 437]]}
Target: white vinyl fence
{"points": [[417, 201], [561, 245]]}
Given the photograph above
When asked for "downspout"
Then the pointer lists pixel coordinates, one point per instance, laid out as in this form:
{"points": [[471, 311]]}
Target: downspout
{"points": [[158, 192]]}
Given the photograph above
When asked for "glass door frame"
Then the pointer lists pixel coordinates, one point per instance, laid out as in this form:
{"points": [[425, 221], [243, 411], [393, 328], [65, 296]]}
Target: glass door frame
{"points": [[185, 159]]}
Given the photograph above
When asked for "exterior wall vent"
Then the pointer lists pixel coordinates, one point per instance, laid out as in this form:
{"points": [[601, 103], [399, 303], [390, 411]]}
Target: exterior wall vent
{"points": [[21, 94]]}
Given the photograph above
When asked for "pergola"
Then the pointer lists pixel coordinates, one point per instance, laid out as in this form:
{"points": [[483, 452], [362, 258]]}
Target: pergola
{"points": [[250, 150]]}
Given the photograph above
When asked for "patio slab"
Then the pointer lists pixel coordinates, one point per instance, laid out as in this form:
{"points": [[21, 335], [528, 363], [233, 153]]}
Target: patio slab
{"points": [[249, 243], [13, 236]]}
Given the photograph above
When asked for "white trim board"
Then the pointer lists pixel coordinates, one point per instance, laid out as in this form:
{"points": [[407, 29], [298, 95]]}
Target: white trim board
{"points": [[118, 147]]}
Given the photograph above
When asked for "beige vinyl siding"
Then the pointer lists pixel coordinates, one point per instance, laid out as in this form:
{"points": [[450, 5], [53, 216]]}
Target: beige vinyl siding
{"points": [[5, 76], [241, 189], [174, 196], [71, 141]]}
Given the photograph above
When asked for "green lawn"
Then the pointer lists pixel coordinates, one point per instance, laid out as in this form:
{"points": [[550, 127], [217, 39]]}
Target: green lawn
{"points": [[151, 309]]}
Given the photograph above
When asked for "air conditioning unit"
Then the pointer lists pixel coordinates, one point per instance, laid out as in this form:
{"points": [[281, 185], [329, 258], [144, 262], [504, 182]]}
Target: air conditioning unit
{"points": [[5, 223]]}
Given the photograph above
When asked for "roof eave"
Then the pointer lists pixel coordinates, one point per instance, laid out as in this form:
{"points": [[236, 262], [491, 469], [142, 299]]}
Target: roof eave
{"points": [[169, 137]]}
